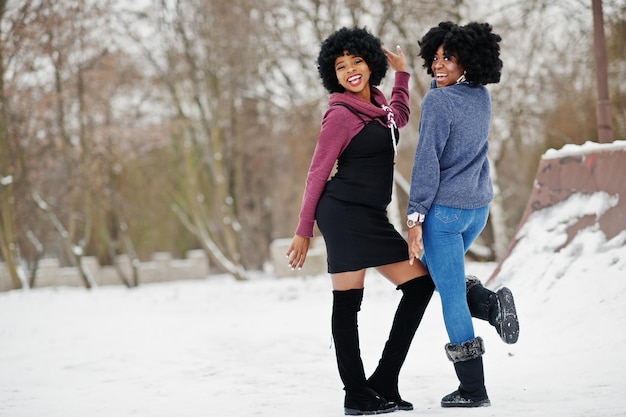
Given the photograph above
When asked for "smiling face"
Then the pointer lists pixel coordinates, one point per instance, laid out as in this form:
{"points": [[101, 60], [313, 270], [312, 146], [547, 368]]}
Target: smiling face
{"points": [[446, 69], [353, 75]]}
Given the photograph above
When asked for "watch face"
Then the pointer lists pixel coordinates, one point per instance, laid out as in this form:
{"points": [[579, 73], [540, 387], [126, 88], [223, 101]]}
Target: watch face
{"points": [[410, 223]]}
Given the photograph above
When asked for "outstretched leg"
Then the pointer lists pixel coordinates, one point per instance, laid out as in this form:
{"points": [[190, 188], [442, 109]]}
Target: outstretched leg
{"points": [[496, 307]]}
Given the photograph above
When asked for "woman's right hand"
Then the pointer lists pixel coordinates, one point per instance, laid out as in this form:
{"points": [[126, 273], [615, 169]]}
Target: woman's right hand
{"points": [[415, 243], [297, 251]]}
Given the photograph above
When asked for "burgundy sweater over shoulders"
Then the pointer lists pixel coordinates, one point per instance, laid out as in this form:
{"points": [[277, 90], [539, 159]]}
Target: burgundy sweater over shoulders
{"points": [[339, 126]]}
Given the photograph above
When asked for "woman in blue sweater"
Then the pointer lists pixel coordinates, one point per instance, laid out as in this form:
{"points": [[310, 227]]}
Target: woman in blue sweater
{"points": [[451, 188]]}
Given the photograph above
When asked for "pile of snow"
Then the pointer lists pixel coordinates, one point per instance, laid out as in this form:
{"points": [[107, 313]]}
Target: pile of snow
{"points": [[586, 148]]}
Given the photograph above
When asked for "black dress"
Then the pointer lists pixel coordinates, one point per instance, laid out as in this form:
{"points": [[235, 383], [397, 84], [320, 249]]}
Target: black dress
{"points": [[352, 211]]}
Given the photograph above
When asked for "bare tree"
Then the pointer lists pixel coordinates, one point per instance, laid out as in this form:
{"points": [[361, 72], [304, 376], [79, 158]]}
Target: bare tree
{"points": [[7, 234], [213, 82], [185, 124], [55, 50], [13, 21]]}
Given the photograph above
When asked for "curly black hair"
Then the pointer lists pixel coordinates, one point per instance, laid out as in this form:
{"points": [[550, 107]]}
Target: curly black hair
{"points": [[357, 41], [474, 44]]}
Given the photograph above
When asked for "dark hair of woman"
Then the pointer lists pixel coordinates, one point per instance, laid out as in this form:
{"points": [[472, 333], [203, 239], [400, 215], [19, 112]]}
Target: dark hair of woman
{"points": [[475, 46], [358, 42]]}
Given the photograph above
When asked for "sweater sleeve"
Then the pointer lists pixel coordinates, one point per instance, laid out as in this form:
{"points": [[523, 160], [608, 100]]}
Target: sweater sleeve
{"points": [[400, 99], [333, 138], [434, 130]]}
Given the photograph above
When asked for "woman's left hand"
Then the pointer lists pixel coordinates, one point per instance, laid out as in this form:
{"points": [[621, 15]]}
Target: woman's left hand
{"points": [[396, 61]]}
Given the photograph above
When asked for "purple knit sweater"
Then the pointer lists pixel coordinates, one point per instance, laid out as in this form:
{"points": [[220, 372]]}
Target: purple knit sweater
{"points": [[339, 126]]}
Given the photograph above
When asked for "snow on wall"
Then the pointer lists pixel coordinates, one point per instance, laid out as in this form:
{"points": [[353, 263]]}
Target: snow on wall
{"points": [[577, 208]]}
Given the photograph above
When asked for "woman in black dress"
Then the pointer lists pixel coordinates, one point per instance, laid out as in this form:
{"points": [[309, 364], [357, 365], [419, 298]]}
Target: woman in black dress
{"points": [[359, 132]]}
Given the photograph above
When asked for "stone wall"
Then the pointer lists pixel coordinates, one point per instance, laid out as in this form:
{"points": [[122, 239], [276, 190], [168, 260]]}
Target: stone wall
{"points": [[160, 268]]}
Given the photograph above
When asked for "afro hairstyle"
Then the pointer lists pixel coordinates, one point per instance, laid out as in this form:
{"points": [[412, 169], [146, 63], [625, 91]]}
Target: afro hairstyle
{"points": [[357, 41], [474, 44]]}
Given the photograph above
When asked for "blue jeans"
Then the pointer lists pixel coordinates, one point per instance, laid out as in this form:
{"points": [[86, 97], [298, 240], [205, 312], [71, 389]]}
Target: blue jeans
{"points": [[447, 234]]}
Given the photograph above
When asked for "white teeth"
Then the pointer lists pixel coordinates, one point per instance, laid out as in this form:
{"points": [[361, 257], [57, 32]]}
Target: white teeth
{"points": [[354, 78]]}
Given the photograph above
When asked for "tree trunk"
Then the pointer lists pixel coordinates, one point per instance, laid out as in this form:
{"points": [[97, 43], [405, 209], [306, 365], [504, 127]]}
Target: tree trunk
{"points": [[8, 242], [74, 252]]}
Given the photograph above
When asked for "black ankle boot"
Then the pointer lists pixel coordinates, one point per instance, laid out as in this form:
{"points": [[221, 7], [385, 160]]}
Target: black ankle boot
{"points": [[496, 307], [367, 402], [359, 399], [415, 298], [468, 364]]}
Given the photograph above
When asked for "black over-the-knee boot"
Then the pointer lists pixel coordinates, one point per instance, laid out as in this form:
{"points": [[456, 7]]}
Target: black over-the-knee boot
{"points": [[359, 399], [416, 295], [496, 307], [468, 364]]}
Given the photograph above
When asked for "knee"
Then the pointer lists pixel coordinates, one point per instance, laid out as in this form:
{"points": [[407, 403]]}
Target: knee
{"points": [[417, 285]]}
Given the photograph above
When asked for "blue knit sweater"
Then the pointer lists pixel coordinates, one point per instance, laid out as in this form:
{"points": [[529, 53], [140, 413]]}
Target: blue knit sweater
{"points": [[450, 166]]}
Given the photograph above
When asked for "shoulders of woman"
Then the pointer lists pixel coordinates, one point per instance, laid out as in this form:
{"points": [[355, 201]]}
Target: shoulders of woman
{"points": [[447, 95], [436, 98]]}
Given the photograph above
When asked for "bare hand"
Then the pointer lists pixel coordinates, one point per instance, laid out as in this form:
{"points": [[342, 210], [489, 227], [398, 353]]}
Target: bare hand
{"points": [[297, 251], [396, 61], [415, 243]]}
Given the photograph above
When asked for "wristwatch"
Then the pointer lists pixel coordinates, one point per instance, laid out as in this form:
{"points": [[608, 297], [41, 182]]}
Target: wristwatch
{"points": [[410, 223]]}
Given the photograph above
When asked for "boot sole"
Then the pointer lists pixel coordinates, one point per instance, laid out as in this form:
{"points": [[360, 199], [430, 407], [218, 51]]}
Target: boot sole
{"points": [[468, 404], [355, 412], [508, 321]]}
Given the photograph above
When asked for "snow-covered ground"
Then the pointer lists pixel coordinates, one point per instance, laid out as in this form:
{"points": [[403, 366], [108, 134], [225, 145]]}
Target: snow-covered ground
{"points": [[222, 348]]}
